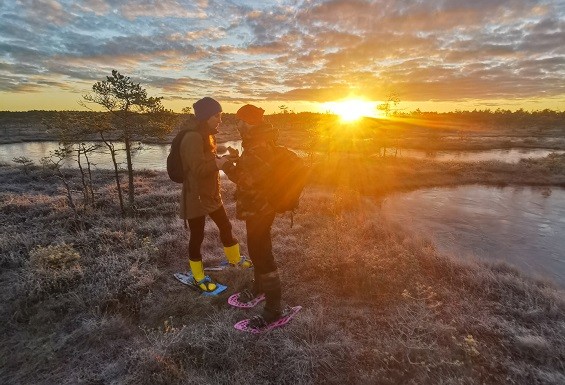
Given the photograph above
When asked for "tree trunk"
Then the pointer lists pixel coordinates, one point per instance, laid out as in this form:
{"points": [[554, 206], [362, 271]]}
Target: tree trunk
{"points": [[117, 176], [85, 193], [131, 194], [90, 186], [116, 172], [61, 176]]}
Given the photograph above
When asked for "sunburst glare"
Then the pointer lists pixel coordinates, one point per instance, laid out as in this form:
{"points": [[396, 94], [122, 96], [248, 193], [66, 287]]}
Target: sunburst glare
{"points": [[350, 110]]}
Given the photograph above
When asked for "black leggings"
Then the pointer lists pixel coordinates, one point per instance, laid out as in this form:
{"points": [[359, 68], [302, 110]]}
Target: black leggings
{"points": [[259, 243], [196, 226]]}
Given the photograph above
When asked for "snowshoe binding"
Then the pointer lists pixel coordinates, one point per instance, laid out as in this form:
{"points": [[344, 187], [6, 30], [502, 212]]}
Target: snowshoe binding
{"points": [[244, 263], [246, 299], [206, 286]]}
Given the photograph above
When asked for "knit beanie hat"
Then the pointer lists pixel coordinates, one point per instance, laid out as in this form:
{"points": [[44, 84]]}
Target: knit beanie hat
{"points": [[250, 114], [205, 108]]}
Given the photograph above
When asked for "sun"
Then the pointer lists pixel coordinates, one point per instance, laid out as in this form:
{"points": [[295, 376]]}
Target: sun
{"points": [[350, 110]]}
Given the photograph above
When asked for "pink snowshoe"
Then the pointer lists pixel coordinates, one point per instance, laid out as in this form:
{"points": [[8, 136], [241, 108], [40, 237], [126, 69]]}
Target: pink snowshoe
{"points": [[245, 299], [263, 326]]}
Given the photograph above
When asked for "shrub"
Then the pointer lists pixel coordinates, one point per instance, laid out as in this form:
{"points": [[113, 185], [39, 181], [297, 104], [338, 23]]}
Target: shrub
{"points": [[54, 257], [25, 163], [53, 269]]}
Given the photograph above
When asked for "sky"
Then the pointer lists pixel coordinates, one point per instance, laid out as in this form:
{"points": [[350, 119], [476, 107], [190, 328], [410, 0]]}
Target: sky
{"points": [[435, 55]]}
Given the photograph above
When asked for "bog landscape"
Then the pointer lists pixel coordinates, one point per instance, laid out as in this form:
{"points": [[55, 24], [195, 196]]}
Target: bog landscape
{"points": [[88, 294], [428, 243]]}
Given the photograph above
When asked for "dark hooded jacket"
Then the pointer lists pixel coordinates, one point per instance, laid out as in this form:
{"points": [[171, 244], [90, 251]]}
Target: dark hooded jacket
{"points": [[253, 171]]}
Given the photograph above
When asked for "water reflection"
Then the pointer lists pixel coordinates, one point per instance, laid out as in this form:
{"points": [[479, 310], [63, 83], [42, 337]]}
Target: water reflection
{"points": [[520, 225], [153, 156], [507, 155], [150, 156]]}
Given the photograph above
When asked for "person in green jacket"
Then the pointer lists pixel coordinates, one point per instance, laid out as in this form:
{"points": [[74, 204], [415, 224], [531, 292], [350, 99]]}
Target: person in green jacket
{"points": [[201, 191]]}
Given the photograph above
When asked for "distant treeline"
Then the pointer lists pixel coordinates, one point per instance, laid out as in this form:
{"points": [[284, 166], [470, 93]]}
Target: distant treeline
{"points": [[22, 124], [493, 118], [496, 117], [38, 116]]}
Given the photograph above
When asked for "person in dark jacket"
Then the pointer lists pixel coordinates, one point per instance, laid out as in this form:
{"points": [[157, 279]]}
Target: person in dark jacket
{"points": [[250, 173], [201, 190]]}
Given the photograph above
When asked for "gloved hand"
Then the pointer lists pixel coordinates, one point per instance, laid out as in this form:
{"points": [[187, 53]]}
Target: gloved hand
{"points": [[233, 152], [220, 162]]}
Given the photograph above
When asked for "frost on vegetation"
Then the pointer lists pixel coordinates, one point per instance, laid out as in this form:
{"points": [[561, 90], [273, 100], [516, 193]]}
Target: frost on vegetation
{"points": [[59, 257], [53, 269]]}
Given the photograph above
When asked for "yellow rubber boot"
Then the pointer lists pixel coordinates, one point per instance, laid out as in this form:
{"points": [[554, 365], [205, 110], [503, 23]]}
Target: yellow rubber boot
{"points": [[197, 269], [234, 257], [232, 254]]}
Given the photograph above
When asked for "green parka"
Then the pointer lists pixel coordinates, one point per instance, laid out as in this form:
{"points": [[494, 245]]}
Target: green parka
{"points": [[201, 188]]}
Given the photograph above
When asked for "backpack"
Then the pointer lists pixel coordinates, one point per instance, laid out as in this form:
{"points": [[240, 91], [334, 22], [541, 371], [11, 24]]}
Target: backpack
{"points": [[174, 161], [289, 175]]}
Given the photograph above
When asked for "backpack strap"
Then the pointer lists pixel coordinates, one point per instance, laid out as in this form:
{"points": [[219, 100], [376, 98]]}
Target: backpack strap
{"points": [[184, 206]]}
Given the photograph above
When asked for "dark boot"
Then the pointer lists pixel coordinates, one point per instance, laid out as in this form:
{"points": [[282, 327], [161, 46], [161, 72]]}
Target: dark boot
{"points": [[257, 286], [271, 285], [249, 294]]}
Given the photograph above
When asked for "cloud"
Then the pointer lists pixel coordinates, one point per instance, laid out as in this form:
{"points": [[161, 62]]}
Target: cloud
{"points": [[44, 12], [98, 7], [164, 9], [290, 50], [212, 34]]}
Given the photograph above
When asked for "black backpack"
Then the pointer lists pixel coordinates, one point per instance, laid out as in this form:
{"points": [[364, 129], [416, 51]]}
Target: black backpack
{"points": [[174, 161], [289, 175]]}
